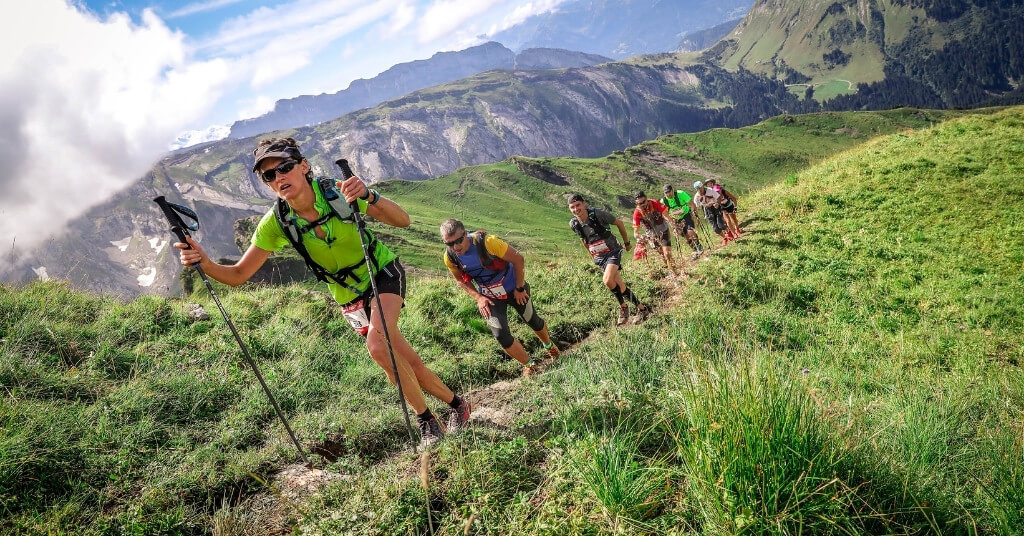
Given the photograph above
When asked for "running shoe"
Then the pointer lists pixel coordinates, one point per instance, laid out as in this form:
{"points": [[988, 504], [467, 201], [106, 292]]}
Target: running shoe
{"points": [[430, 432], [623, 315], [725, 240], [530, 368], [552, 350], [642, 312], [460, 415], [694, 256]]}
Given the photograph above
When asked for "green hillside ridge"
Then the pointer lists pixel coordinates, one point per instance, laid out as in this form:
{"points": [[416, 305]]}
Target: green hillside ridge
{"points": [[881, 53], [508, 196], [851, 366]]}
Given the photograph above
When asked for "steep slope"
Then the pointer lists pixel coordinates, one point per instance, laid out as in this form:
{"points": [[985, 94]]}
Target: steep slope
{"points": [[903, 52]]}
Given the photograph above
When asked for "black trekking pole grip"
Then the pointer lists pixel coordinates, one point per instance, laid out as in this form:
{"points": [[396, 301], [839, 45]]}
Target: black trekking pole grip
{"points": [[346, 172], [178, 226]]}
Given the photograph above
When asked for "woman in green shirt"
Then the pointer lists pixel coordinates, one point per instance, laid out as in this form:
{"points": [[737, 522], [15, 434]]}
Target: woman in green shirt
{"points": [[333, 244]]}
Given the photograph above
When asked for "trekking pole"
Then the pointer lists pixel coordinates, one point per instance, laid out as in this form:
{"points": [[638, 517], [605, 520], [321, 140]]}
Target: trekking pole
{"points": [[173, 213], [346, 172]]}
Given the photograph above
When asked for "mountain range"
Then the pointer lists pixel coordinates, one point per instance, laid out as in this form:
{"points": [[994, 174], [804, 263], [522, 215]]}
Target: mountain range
{"points": [[405, 78]]}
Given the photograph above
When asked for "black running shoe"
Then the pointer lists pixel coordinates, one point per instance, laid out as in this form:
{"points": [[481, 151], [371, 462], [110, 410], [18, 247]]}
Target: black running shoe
{"points": [[459, 416], [430, 431]]}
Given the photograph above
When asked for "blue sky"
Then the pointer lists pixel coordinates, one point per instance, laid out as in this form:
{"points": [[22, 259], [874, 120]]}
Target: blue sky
{"points": [[317, 46], [93, 92]]}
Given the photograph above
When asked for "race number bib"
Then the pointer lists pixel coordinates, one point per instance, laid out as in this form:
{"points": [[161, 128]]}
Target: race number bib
{"points": [[598, 248], [355, 313], [494, 290]]}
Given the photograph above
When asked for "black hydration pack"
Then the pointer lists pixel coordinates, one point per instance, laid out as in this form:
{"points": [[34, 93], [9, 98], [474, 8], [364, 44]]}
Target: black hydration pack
{"points": [[338, 209], [600, 228]]}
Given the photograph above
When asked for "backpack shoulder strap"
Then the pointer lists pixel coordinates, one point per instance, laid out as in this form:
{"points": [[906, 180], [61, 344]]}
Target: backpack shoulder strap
{"points": [[294, 236]]}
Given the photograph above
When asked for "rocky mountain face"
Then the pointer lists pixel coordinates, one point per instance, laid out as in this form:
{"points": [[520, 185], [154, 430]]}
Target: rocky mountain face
{"points": [[620, 28], [883, 53], [405, 78], [122, 246], [702, 39]]}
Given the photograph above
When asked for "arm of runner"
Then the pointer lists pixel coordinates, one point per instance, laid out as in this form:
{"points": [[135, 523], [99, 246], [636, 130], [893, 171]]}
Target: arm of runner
{"points": [[483, 303], [636, 234], [519, 265], [622, 231], [729, 195], [232, 275], [383, 209]]}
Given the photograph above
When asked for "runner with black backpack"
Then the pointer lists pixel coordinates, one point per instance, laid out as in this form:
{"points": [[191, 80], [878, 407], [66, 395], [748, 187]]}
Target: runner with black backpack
{"points": [[493, 273], [591, 225], [315, 216]]}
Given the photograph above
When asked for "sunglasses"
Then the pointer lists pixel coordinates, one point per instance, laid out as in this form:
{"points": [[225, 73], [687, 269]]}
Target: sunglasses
{"points": [[456, 241], [269, 175]]}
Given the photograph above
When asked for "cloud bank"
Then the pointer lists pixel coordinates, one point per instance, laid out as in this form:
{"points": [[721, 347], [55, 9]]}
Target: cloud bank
{"points": [[86, 107]]}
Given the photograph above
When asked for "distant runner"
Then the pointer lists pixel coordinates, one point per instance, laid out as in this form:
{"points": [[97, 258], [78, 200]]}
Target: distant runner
{"points": [[708, 199], [493, 273], [653, 216], [728, 203], [592, 227], [680, 206]]}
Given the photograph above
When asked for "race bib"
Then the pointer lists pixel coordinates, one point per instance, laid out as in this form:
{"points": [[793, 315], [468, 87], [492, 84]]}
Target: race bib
{"points": [[597, 248], [494, 290], [355, 313]]}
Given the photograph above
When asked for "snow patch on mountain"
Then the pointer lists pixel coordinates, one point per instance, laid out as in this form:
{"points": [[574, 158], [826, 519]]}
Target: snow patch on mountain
{"points": [[147, 277], [122, 244]]}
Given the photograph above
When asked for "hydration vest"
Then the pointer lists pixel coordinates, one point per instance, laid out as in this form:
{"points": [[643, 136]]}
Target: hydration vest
{"points": [[487, 260], [338, 209], [600, 228]]}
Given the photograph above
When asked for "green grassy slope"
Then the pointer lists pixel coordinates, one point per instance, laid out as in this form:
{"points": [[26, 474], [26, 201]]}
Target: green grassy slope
{"points": [[852, 365], [503, 198]]}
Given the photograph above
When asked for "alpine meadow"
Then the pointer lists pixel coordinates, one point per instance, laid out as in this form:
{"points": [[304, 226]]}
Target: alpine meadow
{"points": [[851, 365]]}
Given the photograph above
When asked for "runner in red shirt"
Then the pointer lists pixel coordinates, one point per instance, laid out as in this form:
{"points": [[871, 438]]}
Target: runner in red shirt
{"points": [[653, 216]]}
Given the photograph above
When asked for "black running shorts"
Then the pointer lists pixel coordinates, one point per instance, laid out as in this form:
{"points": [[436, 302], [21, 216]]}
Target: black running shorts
{"points": [[612, 257]]}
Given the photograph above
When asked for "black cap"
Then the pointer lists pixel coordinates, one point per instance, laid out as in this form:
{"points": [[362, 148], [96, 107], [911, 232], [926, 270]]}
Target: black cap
{"points": [[572, 198], [667, 188], [639, 194]]}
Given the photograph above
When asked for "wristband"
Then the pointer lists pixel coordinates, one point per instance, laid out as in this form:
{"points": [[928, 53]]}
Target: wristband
{"points": [[366, 196], [376, 197], [521, 289]]}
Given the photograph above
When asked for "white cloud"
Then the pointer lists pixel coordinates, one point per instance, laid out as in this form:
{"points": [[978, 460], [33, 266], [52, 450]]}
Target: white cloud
{"points": [[445, 16], [276, 42], [86, 107], [401, 17], [256, 107], [523, 12], [200, 7]]}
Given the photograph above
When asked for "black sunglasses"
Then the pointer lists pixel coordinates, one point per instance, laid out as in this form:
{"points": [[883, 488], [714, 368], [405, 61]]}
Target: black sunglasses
{"points": [[269, 175], [456, 241]]}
